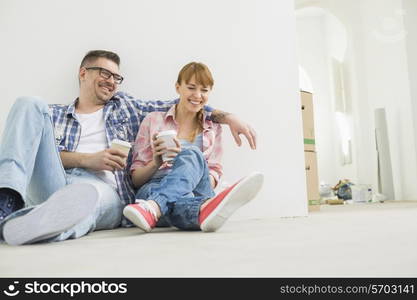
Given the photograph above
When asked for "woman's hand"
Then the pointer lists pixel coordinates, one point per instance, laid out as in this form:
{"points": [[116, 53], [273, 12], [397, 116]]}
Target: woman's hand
{"points": [[213, 182], [173, 152], [158, 149]]}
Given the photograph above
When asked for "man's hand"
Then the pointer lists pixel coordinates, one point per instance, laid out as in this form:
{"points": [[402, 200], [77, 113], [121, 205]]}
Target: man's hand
{"points": [[109, 159], [237, 127]]}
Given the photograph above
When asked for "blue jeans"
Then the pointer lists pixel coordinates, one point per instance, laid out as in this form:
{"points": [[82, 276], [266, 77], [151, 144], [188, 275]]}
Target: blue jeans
{"points": [[181, 192], [31, 165]]}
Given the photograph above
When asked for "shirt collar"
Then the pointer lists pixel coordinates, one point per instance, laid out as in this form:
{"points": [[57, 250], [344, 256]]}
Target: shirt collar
{"points": [[71, 107], [170, 114]]}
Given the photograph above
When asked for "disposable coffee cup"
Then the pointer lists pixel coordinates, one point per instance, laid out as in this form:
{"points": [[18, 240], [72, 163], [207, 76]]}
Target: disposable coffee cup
{"points": [[168, 137], [121, 145]]}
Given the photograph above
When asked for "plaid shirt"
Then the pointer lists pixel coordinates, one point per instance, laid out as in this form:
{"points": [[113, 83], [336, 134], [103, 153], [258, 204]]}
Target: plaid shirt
{"points": [[123, 115]]}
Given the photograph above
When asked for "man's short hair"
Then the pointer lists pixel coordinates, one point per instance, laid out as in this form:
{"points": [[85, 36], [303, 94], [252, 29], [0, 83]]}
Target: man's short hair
{"points": [[91, 56]]}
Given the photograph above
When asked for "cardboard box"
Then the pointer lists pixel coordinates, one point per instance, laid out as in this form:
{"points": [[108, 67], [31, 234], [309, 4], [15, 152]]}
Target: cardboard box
{"points": [[312, 179], [313, 208], [308, 121]]}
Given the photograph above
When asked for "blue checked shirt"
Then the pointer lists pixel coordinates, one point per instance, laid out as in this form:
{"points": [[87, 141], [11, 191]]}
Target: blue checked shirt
{"points": [[122, 115]]}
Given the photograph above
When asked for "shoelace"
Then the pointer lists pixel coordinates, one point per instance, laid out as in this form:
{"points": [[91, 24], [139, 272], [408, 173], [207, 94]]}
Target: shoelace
{"points": [[146, 206]]}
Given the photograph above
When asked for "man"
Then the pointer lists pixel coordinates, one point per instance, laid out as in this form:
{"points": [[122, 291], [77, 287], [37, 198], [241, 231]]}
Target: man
{"points": [[56, 159]]}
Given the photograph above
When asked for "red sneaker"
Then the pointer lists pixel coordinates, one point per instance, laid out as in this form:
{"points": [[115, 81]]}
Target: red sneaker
{"points": [[227, 202], [141, 214]]}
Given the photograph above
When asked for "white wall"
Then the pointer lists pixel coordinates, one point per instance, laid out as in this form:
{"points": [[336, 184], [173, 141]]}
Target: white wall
{"points": [[319, 40], [388, 86], [312, 56], [410, 22], [379, 67], [249, 46]]}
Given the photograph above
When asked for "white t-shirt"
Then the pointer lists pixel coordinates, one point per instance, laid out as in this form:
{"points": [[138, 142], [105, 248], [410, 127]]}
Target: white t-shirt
{"points": [[93, 139]]}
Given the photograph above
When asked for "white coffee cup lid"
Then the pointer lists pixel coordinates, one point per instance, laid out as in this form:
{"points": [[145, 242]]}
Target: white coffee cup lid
{"points": [[121, 143], [167, 132]]}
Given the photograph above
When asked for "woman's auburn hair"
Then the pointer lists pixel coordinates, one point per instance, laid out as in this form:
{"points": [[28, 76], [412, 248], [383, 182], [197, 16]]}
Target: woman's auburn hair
{"points": [[202, 76], [200, 72]]}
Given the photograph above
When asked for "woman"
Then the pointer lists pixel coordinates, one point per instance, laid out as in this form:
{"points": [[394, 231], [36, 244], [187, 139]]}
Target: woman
{"points": [[180, 192]]}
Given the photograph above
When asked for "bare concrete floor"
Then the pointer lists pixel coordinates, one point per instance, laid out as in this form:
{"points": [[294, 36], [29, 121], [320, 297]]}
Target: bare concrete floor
{"points": [[358, 240]]}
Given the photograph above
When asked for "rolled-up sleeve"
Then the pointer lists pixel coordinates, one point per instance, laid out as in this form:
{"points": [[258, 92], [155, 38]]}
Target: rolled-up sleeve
{"points": [[142, 148], [214, 158]]}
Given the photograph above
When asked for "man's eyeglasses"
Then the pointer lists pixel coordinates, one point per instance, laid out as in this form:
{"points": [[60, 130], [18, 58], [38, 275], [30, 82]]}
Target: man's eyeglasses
{"points": [[106, 74]]}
